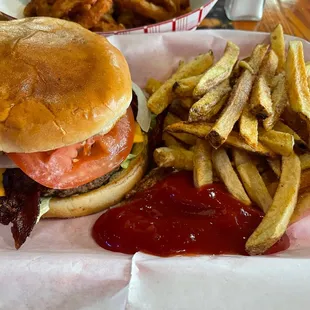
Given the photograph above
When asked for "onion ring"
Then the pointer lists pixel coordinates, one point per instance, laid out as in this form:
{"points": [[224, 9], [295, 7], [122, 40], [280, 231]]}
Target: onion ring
{"points": [[148, 9], [108, 24], [93, 16], [184, 4], [169, 5], [30, 9], [102, 15], [62, 7], [42, 7]]}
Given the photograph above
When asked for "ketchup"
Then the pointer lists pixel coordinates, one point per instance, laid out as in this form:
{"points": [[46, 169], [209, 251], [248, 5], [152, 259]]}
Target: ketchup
{"points": [[173, 217]]}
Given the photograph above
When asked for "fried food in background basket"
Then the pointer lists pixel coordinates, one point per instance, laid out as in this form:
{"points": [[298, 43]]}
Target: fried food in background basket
{"points": [[109, 15]]}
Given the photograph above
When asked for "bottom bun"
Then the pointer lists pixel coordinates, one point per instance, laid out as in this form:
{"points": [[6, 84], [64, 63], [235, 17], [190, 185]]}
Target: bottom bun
{"points": [[105, 196]]}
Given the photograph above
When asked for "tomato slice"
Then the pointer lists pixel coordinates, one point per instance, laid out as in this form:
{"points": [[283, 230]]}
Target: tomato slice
{"points": [[78, 164]]}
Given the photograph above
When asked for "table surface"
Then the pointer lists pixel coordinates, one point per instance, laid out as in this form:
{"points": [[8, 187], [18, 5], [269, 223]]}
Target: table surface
{"points": [[294, 15]]}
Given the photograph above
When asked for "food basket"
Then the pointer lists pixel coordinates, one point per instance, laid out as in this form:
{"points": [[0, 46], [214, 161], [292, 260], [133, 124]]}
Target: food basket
{"points": [[190, 21]]}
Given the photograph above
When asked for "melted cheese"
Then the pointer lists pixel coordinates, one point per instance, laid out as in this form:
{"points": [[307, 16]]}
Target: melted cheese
{"points": [[2, 192], [138, 137]]}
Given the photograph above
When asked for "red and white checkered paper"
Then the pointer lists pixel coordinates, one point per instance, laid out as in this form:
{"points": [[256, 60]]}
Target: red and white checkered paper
{"points": [[189, 21]]}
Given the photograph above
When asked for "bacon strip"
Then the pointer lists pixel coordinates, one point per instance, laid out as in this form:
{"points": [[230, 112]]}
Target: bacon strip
{"points": [[20, 206]]}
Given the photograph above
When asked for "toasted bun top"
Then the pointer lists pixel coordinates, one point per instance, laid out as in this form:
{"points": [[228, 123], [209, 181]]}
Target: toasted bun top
{"points": [[59, 84]]}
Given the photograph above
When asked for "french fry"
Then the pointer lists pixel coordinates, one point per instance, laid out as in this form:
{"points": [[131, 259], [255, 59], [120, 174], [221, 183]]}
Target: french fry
{"points": [[260, 163], [219, 72], [305, 180], [261, 104], [301, 144], [269, 95], [203, 173], [181, 64], [201, 130], [210, 113], [237, 100], [185, 102], [248, 126], [252, 180], [201, 109], [278, 46], [245, 65], [184, 137], [298, 90], [269, 66], [272, 188], [171, 141], [280, 142], [152, 85], [149, 180], [178, 158], [163, 96], [178, 110], [171, 119], [279, 102], [235, 140], [236, 72], [185, 87], [296, 122], [271, 181], [275, 165], [238, 68], [302, 207], [305, 161], [308, 72], [226, 172], [277, 218], [246, 59], [276, 79]]}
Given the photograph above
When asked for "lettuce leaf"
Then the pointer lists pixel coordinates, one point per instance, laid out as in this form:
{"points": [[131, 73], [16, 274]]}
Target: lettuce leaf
{"points": [[126, 162]]}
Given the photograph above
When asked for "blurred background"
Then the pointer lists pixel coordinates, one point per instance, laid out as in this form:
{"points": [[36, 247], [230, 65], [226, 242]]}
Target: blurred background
{"points": [[256, 15], [294, 15]]}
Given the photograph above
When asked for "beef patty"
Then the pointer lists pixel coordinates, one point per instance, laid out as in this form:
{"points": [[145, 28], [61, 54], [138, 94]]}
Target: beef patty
{"points": [[22, 181]]}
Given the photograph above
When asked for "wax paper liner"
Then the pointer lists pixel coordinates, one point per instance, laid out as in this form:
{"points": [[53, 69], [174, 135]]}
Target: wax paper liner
{"points": [[61, 267]]}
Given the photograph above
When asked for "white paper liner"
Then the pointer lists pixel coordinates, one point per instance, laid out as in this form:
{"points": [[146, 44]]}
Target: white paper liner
{"points": [[60, 266], [218, 282]]}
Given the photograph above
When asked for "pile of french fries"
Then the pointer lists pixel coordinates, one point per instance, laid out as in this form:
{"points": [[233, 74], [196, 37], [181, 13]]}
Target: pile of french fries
{"points": [[246, 123]]}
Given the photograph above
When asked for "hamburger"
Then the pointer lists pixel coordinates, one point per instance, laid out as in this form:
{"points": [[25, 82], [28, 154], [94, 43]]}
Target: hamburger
{"points": [[69, 142]]}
